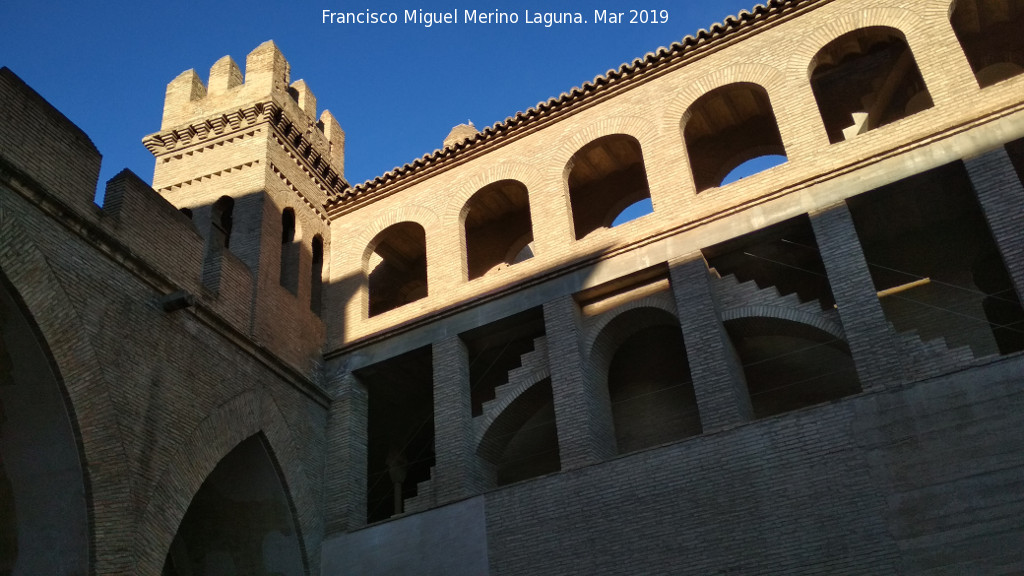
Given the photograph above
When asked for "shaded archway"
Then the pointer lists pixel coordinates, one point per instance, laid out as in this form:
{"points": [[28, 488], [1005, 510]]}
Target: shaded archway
{"points": [[790, 365], [396, 267], [726, 127], [642, 354], [522, 441], [44, 522], [604, 178], [989, 32], [498, 227], [865, 79], [241, 521]]}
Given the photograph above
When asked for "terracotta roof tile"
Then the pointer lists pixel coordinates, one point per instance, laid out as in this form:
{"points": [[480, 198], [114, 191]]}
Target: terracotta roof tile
{"points": [[663, 56]]}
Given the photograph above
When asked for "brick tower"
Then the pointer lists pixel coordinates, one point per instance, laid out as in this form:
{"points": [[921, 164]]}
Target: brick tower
{"points": [[252, 164]]}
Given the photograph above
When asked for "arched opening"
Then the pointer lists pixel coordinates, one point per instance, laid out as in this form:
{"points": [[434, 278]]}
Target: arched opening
{"points": [[522, 442], [222, 220], [604, 177], [239, 522], [290, 250], [989, 32], [396, 267], [726, 127], [44, 523], [865, 79], [790, 365], [221, 224], [648, 375], [316, 280], [497, 220]]}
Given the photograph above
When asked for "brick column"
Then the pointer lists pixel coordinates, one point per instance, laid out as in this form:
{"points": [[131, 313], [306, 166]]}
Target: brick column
{"points": [[457, 470], [718, 379], [1001, 196], [871, 339], [345, 482], [582, 410]]}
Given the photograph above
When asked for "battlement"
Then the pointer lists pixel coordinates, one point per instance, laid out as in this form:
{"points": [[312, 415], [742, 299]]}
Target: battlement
{"points": [[192, 108]]}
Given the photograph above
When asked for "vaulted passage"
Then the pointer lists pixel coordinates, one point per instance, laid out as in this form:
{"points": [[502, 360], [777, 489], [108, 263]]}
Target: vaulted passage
{"points": [[498, 228], [239, 522], [727, 127], [400, 430], [396, 267], [605, 177], [790, 365], [935, 265], [44, 527], [989, 32], [865, 79]]}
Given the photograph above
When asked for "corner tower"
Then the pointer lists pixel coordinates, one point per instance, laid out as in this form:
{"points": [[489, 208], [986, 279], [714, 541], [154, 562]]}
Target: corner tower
{"points": [[251, 162]]}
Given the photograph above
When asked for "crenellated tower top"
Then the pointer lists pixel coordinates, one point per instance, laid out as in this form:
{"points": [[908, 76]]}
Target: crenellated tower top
{"points": [[194, 111]]}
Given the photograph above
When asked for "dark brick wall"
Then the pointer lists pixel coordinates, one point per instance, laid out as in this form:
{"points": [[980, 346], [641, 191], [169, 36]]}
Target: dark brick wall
{"points": [[906, 481], [159, 397]]}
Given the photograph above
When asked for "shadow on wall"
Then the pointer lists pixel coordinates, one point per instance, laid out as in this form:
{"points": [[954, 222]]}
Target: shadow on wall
{"points": [[240, 521], [41, 476]]}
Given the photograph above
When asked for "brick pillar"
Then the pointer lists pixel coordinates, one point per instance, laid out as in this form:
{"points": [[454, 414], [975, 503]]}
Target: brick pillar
{"points": [[457, 470], [718, 379], [582, 410], [345, 482], [871, 339], [1001, 196]]}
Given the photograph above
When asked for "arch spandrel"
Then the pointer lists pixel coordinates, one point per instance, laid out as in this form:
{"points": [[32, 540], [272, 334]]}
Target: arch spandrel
{"points": [[244, 416], [454, 209]]}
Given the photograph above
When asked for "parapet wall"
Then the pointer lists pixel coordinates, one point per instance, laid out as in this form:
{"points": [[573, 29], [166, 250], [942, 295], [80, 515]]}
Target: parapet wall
{"points": [[37, 139], [51, 163]]}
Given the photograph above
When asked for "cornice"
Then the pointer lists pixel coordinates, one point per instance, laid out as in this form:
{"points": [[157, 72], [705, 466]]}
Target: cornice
{"points": [[291, 136]]}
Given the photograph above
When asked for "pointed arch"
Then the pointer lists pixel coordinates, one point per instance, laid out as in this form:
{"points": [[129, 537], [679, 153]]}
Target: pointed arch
{"points": [[238, 419], [27, 274]]}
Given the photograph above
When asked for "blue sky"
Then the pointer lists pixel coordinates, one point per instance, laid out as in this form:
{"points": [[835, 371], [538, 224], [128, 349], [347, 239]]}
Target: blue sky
{"points": [[396, 89]]}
